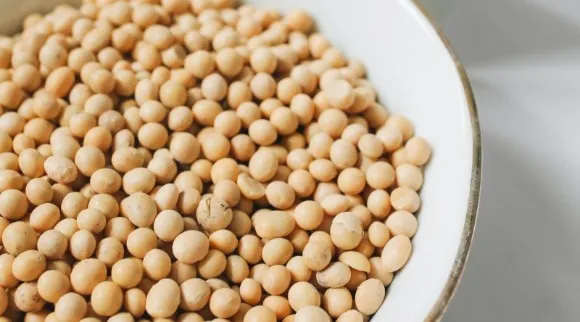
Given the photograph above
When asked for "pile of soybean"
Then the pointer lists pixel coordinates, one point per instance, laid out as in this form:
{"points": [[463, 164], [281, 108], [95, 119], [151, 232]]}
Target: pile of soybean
{"points": [[195, 161]]}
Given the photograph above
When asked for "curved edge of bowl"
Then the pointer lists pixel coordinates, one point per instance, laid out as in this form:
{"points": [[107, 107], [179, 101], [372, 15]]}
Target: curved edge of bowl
{"points": [[444, 299]]}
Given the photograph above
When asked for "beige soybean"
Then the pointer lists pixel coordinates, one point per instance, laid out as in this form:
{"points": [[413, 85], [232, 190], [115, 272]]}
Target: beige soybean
{"points": [[260, 314], [190, 246], [67, 226], [346, 231], [263, 86], [237, 269], [418, 151], [11, 180], [298, 269], [355, 260], [28, 265], [317, 255], [276, 280], [263, 165], [163, 299], [337, 301], [280, 195], [106, 204], [402, 223], [370, 146], [409, 176], [87, 274], [379, 234], [214, 213], [273, 224], [126, 159], [249, 187], [18, 237], [109, 251], [262, 132], [91, 220], [323, 170], [320, 146], [52, 244], [405, 199], [379, 203], [279, 305], [403, 124], [391, 137], [227, 191], [89, 159], [311, 313], [298, 238], [13, 204], [369, 296], [187, 201], [181, 272], [82, 244], [263, 60], [353, 132], [212, 265], [250, 248], [376, 115], [380, 175], [105, 181], [308, 214], [60, 169], [396, 253], [350, 316], [242, 147], [52, 285], [335, 275], [70, 307], [379, 271], [302, 182], [127, 272], [120, 228], [168, 225], [135, 301], [7, 279], [106, 298], [399, 157], [179, 118], [195, 294], [333, 121], [365, 247], [277, 251], [339, 93], [351, 181], [8, 161], [250, 291], [224, 303], [303, 294], [216, 146], [139, 208], [334, 204]]}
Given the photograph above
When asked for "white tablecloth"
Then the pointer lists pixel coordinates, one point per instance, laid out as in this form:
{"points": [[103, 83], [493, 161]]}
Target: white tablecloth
{"points": [[523, 59]]}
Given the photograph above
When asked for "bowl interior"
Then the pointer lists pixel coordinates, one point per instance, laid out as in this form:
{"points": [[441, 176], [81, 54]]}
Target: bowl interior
{"points": [[416, 76]]}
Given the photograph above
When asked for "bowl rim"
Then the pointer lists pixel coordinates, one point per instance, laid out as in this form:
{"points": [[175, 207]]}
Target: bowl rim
{"points": [[450, 287]]}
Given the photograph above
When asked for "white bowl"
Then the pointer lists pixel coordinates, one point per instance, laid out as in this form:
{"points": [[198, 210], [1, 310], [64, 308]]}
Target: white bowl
{"points": [[416, 74]]}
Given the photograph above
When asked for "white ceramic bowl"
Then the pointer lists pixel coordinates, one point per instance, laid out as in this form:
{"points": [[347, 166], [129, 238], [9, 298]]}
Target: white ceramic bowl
{"points": [[416, 74]]}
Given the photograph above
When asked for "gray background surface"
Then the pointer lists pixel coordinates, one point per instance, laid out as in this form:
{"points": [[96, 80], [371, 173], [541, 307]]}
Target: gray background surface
{"points": [[523, 59]]}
